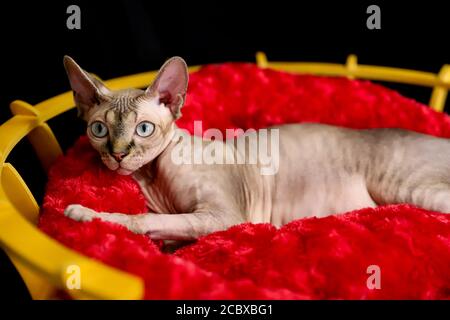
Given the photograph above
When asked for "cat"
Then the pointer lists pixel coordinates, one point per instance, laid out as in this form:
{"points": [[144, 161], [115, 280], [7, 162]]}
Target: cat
{"points": [[322, 170]]}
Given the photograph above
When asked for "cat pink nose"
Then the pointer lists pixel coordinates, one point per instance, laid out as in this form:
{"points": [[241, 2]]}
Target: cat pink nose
{"points": [[119, 155]]}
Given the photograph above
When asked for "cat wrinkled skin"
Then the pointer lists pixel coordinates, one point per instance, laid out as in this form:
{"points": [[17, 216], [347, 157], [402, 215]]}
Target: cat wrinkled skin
{"points": [[323, 169]]}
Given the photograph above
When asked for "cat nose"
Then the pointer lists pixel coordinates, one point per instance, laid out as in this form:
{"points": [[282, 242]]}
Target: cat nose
{"points": [[119, 155]]}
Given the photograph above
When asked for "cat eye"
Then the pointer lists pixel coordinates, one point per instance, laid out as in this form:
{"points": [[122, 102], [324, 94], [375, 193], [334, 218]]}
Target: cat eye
{"points": [[145, 129], [99, 129]]}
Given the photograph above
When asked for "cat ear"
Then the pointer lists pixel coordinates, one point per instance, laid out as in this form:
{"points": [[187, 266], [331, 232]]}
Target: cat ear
{"points": [[87, 90], [170, 85]]}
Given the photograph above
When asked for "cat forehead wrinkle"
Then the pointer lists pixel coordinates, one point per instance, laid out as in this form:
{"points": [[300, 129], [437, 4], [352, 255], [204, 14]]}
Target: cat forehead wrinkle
{"points": [[118, 121], [123, 103], [126, 99]]}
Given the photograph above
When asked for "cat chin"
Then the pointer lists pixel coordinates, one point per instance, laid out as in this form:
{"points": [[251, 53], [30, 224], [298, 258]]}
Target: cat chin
{"points": [[124, 172]]}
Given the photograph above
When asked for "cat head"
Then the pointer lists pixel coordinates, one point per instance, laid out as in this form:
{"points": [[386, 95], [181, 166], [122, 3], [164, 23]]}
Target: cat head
{"points": [[130, 128]]}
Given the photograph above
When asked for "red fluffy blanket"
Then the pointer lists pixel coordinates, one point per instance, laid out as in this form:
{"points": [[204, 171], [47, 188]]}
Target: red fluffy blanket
{"points": [[325, 258]]}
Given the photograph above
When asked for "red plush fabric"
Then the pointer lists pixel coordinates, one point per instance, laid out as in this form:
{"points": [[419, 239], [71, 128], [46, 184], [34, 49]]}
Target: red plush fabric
{"points": [[313, 258]]}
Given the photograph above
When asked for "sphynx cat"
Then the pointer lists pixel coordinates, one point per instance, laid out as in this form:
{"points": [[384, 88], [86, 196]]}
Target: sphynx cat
{"points": [[322, 170]]}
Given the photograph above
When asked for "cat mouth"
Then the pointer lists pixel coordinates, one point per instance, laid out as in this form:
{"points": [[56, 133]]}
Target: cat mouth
{"points": [[118, 167]]}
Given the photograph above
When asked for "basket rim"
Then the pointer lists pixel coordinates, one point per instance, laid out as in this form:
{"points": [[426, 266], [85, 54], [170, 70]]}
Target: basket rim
{"points": [[46, 257]]}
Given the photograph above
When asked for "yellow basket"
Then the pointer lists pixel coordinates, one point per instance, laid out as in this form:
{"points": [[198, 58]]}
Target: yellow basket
{"points": [[43, 262]]}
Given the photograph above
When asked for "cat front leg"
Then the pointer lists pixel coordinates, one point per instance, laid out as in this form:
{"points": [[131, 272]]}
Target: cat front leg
{"points": [[80, 213], [188, 226], [184, 226]]}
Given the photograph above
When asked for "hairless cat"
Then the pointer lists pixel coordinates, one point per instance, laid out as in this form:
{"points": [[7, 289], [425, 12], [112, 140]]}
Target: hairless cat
{"points": [[323, 169]]}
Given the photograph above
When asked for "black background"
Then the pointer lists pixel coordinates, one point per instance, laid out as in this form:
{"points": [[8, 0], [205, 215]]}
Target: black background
{"points": [[125, 37]]}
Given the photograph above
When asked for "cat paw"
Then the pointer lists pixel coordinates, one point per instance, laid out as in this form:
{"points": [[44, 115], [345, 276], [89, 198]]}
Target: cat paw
{"points": [[79, 213]]}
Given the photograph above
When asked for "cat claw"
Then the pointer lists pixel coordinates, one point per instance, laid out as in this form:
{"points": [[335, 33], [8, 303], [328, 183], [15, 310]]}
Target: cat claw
{"points": [[79, 213]]}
